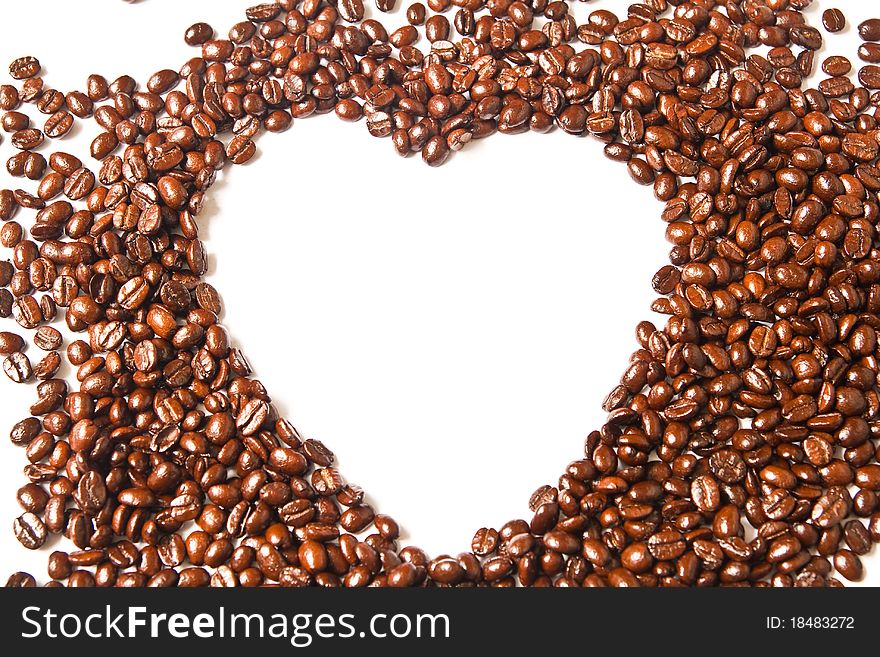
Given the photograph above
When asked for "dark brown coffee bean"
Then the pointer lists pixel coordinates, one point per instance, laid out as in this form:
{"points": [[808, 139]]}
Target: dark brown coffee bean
{"points": [[17, 367], [30, 531], [870, 52], [198, 33], [832, 507], [869, 30], [15, 121], [435, 151], [21, 580], [10, 343], [32, 497], [24, 67], [869, 76], [484, 542], [351, 10], [857, 537], [349, 110], [58, 125], [47, 338], [833, 20], [666, 545], [27, 139], [705, 493], [48, 366], [848, 565]]}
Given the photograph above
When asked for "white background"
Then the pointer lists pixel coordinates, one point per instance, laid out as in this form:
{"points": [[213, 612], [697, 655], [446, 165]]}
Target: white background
{"points": [[450, 333]]}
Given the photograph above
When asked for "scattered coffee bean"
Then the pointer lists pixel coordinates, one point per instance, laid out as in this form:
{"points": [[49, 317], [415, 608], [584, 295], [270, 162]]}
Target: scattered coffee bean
{"points": [[24, 67], [833, 20], [752, 411], [21, 580], [30, 531], [870, 52], [10, 343], [48, 338], [17, 367], [869, 30]]}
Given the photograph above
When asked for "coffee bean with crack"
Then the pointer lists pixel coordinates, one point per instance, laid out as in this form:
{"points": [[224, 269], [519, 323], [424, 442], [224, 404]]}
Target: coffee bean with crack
{"points": [[30, 530], [17, 367]]}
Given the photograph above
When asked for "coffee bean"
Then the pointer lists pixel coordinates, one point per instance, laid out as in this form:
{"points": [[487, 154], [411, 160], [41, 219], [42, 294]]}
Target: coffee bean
{"points": [[15, 121], [869, 30], [870, 52], [10, 343], [869, 76], [832, 507], [47, 338], [857, 537], [162, 81], [848, 565], [30, 531], [17, 367], [348, 110], [705, 493], [21, 580], [58, 125], [48, 366], [833, 20], [484, 542], [666, 545], [240, 150], [24, 67], [836, 65], [435, 151], [351, 10], [27, 139]]}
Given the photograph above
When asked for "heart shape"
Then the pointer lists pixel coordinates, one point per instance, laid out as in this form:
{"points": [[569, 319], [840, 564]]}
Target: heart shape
{"points": [[435, 341]]}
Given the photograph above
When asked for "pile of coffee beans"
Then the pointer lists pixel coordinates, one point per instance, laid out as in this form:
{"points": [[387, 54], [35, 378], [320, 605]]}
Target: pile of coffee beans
{"points": [[741, 446]]}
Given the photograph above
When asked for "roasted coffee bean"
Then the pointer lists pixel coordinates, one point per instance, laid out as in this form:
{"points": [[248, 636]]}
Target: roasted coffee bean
{"points": [[21, 580], [870, 52], [58, 125], [47, 338], [198, 33], [25, 431], [832, 507], [15, 121], [435, 151], [32, 497], [726, 420], [484, 542], [351, 10], [24, 67], [27, 139], [705, 493], [17, 367], [869, 76], [848, 565], [836, 66], [30, 531], [10, 343], [869, 30], [349, 110], [857, 537], [48, 366], [833, 20]]}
